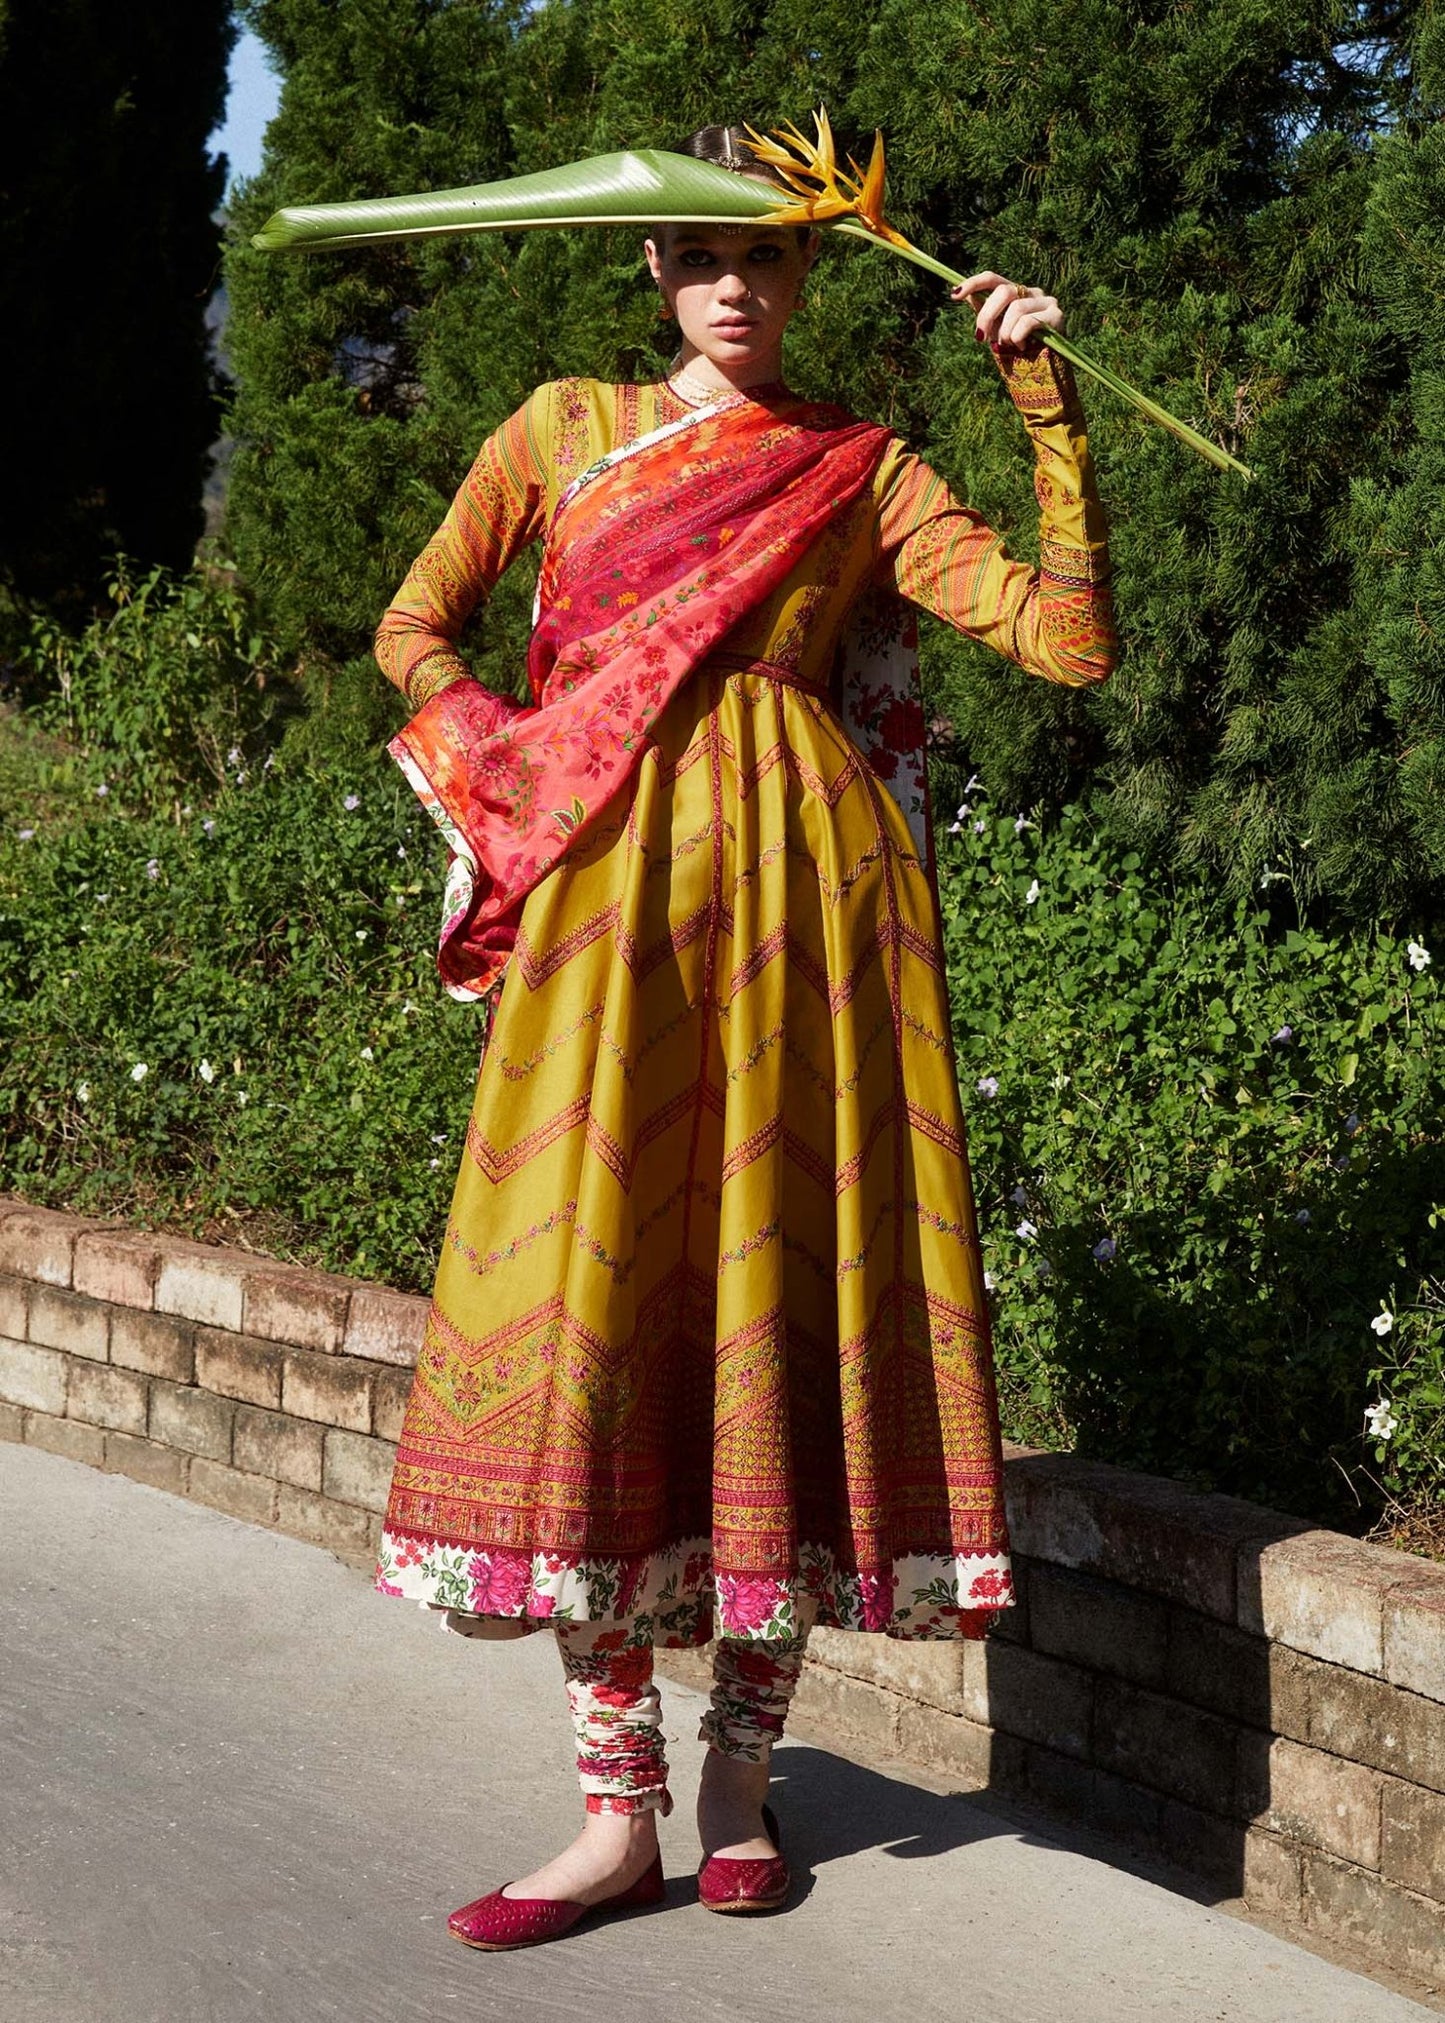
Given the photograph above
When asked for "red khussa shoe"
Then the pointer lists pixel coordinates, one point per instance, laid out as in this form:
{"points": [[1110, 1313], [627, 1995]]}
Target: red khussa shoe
{"points": [[759, 1883], [498, 1924]]}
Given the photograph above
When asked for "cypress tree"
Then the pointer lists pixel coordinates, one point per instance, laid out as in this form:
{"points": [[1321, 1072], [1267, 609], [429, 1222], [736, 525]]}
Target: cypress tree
{"points": [[1369, 718], [1192, 183], [1205, 189], [110, 252], [344, 455]]}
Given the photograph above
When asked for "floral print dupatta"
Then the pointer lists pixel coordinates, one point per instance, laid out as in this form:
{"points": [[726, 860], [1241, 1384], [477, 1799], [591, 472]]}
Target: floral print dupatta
{"points": [[652, 558]]}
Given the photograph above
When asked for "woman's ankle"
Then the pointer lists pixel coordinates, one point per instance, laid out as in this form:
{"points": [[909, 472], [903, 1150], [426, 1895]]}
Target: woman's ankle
{"points": [[622, 1830]]}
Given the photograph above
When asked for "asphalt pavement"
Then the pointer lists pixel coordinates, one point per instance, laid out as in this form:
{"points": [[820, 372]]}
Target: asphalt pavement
{"points": [[237, 1786]]}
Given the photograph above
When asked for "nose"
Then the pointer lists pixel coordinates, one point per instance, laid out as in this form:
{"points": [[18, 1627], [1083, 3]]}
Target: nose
{"points": [[733, 286]]}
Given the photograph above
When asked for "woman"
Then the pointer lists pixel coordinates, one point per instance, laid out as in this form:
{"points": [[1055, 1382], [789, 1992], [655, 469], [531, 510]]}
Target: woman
{"points": [[709, 1346]]}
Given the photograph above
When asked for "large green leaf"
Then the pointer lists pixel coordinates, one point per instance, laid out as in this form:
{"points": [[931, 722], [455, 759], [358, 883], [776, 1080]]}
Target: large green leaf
{"points": [[648, 187]]}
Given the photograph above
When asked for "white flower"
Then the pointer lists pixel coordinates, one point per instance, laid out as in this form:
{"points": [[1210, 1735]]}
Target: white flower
{"points": [[956, 828], [102, 898], [26, 835], [1380, 1421], [987, 1085], [233, 756], [153, 868], [1060, 1082], [409, 1007], [401, 849], [361, 934], [82, 1092], [1022, 822], [206, 1072], [367, 1054], [1019, 1197], [439, 1137], [1105, 1249], [979, 826], [1044, 1268], [242, 1098], [973, 785], [208, 828], [433, 1163], [1302, 1217], [1419, 955], [102, 790], [1032, 894], [139, 1072], [990, 1283], [1383, 1322], [351, 801], [1026, 1230]]}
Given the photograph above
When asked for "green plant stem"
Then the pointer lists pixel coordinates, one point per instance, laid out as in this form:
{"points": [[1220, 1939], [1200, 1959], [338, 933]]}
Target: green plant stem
{"points": [[1066, 348]]}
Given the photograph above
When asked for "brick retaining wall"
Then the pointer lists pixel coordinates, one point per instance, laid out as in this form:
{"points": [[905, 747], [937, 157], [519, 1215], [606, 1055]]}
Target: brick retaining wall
{"points": [[1260, 1701]]}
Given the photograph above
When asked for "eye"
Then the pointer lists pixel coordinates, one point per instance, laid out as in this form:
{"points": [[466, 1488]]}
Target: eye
{"points": [[695, 256], [765, 254]]}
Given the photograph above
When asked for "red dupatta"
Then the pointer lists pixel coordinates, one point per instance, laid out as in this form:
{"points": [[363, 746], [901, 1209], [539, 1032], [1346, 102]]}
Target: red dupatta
{"points": [[651, 559]]}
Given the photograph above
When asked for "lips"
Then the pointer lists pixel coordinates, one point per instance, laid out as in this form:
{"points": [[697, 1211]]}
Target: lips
{"points": [[735, 327]]}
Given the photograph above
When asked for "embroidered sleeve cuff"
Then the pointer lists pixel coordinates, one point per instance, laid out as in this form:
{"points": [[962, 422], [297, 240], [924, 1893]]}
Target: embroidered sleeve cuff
{"points": [[432, 675], [1041, 388]]}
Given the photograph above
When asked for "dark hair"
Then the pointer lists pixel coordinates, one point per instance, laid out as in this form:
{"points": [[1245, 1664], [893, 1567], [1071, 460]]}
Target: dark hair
{"points": [[729, 148]]}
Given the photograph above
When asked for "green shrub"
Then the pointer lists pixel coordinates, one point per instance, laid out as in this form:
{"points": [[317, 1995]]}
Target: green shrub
{"points": [[1406, 1422], [172, 682], [1208, 1152], [1207, 1146], [231, 1022]]}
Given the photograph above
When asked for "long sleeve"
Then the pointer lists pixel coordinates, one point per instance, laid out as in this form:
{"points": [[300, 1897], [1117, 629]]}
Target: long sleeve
{"points": [[1057, 620], [498, 510]]}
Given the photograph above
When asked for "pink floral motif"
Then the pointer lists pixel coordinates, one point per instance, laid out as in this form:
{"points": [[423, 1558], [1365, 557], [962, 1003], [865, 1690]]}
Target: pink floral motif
{"points": [[988, 1586], [748, 1602], [875, 1598], [500, 1581], [630, 1585], [540, 1604]]}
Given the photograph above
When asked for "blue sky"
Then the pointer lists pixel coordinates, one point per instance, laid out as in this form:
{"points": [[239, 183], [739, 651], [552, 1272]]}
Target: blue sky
{"points": [[254, 93]]}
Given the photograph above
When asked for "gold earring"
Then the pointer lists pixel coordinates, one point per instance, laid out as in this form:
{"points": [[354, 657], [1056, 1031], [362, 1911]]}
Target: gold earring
{"points": [[665, 311]]}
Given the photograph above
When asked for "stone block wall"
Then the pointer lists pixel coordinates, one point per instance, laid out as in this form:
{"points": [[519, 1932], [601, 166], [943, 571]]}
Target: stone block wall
{"points": [[1259, 1701], [270, 1393]]}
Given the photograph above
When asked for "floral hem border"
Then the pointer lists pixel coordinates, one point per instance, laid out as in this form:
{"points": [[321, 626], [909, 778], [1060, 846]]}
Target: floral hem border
{"points": [[673, 1598]]}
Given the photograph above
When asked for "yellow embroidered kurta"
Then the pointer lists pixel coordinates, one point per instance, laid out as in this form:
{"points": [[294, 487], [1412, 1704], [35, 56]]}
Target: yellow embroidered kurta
{"points": [[709, 1344]]}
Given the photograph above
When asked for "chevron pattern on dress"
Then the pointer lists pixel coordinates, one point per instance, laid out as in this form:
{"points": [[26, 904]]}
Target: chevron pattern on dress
{"points": [[759, 1320]]}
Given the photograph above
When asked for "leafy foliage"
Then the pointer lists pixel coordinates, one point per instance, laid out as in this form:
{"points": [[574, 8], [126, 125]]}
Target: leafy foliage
{"points": [[1207, 1152], [172, 682], [1238, 203]]}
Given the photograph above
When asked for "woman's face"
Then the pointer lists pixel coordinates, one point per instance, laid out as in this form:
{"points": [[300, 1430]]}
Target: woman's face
{"points": [[733, 288]]}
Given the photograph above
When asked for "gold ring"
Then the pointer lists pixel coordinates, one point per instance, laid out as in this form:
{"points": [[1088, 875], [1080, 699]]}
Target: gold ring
{"points": [[1020, 292]]}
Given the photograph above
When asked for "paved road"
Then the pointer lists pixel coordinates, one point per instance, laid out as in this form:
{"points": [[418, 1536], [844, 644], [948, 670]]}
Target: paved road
{"points": [[238, 1787]]}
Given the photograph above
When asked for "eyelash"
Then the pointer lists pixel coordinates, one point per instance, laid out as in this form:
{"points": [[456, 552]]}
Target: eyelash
{"points": [[699, 256]]}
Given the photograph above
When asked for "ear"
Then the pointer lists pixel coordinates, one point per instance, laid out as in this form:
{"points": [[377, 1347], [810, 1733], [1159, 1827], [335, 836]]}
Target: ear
{"points": [[812, 247], [653, 253]]}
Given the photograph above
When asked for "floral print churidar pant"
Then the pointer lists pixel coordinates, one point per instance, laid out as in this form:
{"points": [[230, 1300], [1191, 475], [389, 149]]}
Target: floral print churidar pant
{"points": [[708, 1351]]}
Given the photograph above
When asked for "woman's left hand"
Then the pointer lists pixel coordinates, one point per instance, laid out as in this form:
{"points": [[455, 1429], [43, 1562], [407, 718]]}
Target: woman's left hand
{"points": [[1012, 315]]}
